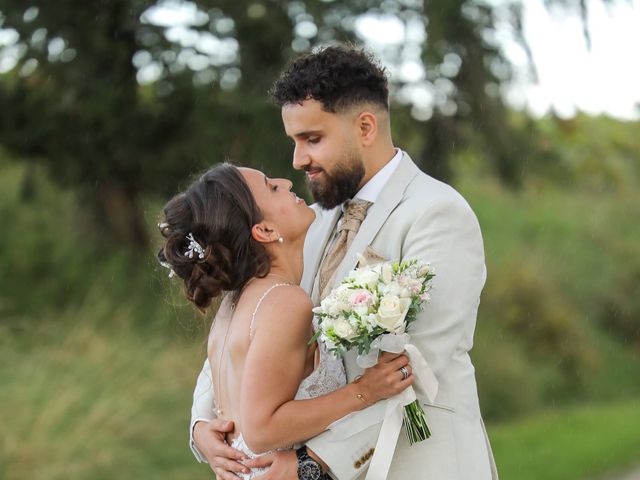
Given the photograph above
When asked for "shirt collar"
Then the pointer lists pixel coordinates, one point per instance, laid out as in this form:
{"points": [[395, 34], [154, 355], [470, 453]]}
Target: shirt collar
{"points": [[371, 190]]}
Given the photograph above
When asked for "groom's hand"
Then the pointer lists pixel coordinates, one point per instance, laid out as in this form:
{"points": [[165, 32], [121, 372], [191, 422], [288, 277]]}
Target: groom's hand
{"points": [[209, 437], [283, 465]]}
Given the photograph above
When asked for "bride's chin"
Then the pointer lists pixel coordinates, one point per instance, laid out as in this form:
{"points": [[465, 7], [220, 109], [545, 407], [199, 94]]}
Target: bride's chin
{"points": [[312, 214]]}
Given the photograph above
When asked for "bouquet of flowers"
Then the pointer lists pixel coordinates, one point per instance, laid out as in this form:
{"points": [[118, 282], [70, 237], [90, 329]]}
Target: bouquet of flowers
{"points": [[370, 303]]}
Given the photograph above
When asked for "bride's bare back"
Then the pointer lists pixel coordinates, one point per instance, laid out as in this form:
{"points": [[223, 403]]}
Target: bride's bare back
{"points": [[229, 342]]}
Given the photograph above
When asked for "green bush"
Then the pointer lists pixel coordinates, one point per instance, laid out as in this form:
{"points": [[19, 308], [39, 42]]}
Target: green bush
{"points": [[529, 336], [620, 307]]}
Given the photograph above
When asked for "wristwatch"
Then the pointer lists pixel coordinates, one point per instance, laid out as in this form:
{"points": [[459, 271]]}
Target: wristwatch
{"points": [[308, 468]]}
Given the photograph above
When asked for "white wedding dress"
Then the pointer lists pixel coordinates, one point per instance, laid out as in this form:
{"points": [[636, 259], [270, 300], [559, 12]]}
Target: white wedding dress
{"points": [[328, 376]]}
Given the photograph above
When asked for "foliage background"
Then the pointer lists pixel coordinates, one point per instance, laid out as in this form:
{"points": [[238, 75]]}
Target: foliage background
{"points": [[99, 352]]}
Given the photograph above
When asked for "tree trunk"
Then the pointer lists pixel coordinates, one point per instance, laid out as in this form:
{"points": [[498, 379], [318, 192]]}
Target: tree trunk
{"points": [[122, 217], [435, 158]]}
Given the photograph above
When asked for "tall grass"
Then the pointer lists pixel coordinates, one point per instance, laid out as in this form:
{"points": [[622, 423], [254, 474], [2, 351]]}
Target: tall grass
{"points": [[83, 400]]}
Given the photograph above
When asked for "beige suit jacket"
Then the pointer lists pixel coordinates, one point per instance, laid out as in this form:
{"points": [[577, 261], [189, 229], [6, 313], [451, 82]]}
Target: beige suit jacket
{"points": [[416, 216]]}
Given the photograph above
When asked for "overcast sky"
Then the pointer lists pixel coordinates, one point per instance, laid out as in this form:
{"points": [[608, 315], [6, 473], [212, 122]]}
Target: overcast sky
{"points": [[605, 79]]}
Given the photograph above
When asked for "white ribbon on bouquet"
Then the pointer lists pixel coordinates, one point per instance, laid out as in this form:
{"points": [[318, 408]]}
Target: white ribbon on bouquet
{"points": [[425, 384]]}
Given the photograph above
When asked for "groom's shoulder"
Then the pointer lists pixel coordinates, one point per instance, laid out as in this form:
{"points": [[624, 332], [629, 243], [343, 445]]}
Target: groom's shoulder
{"points": [[423, 187], [426, 190]]}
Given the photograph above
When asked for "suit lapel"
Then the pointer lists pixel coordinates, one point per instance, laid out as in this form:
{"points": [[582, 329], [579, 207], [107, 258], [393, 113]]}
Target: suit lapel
{"points": [[315, 243], [389, 198]]}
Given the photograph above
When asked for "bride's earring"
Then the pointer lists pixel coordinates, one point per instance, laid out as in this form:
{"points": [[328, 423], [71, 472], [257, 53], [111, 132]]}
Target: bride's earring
{"points": [[280, 240]]}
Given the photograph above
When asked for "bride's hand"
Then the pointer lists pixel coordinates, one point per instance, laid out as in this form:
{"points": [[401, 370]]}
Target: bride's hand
{"points": [[385, 379]]}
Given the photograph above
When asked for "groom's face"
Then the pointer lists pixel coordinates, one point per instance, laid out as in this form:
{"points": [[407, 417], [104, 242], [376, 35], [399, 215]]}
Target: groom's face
{"points": [[326, 148]]}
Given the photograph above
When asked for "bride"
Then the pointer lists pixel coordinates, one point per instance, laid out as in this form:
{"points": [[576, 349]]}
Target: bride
{"points": [[239, 234]]}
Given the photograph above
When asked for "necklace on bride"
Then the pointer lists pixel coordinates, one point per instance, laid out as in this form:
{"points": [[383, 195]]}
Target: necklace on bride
{"points": [[279, 276]]}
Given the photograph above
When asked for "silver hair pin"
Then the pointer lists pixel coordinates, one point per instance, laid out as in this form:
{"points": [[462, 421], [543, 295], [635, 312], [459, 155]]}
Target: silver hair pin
{"points": [[168, 265], [194, 247]]}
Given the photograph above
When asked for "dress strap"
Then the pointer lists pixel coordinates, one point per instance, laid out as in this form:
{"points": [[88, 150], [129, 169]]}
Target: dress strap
{"points": [[253, 317]]}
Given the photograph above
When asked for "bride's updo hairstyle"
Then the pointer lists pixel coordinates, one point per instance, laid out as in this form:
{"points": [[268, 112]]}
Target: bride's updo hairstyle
{"points": [[218, 210]]}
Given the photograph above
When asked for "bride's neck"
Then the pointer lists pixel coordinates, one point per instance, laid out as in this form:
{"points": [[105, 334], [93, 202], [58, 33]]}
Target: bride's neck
{"points": [[287, 266]]}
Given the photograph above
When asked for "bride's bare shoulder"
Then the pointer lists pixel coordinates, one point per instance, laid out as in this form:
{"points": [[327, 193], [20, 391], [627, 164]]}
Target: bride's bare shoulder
{"points": [[289, 297], [288, 303]]}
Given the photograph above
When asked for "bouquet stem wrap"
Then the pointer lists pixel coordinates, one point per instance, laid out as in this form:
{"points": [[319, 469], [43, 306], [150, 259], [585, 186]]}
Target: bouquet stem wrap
{"points": [[404, 407]]}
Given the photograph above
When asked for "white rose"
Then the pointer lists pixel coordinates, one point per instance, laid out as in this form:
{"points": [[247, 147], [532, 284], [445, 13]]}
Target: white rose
{"points": [[344, 329], [391, 313]]}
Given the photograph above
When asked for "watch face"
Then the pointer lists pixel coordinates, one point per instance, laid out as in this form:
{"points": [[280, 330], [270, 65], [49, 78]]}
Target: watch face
{"points": [[309, 470]]}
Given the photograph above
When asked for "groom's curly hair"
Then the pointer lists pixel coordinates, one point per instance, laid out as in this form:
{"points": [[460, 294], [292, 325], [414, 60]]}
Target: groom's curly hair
{"points": [[339, 77], [219, 210]]}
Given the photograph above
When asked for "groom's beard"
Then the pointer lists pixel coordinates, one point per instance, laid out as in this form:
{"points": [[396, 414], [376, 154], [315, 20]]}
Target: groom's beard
{"points": [[335, 188]]}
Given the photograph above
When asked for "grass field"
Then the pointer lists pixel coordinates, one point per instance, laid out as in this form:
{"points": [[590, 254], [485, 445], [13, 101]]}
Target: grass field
{"points": [[572, 444], [86, 402], [81, 401]]}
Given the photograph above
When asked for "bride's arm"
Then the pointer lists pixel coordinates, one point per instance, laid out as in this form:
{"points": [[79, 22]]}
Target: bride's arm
{"points": [[274, 368]]}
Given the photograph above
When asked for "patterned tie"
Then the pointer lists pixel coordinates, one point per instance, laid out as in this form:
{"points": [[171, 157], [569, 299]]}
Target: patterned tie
{"points": [[353, 213]]}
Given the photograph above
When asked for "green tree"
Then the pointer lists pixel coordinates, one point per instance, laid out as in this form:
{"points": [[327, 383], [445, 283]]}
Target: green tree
{"points": [[118, 103], [74, 102]]}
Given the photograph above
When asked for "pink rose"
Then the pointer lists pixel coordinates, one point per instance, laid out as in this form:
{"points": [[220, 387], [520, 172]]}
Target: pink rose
{"points": [[360, 297]]}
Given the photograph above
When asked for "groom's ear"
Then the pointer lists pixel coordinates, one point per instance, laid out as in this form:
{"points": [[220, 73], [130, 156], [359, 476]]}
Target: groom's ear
{"points": [[367, 125], [264, 232]]}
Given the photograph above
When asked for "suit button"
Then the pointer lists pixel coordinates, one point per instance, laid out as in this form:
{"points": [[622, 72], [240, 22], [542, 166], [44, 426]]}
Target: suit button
{"points": [[357, 464]]}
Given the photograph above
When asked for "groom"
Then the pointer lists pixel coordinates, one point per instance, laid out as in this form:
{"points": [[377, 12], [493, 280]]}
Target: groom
{"points": [[335, 109]]}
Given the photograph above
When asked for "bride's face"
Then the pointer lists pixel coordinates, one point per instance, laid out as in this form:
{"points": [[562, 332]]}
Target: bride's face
{"points": [[278, 204]]}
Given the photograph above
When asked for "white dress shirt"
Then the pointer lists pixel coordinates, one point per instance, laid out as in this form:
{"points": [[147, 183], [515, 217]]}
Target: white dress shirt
{"points": [[374, 186]]}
